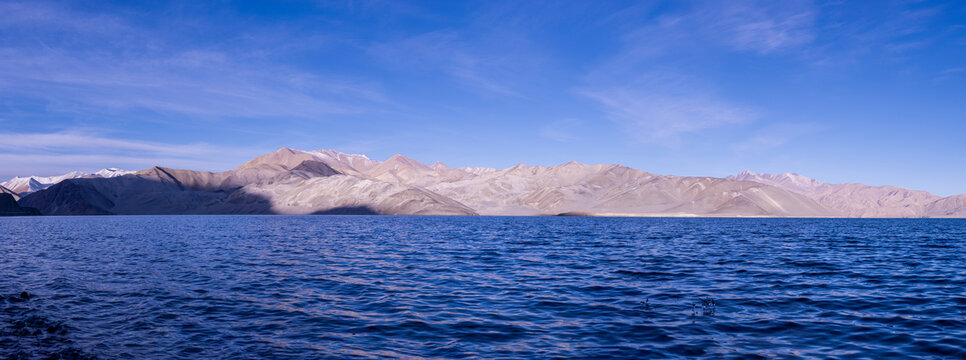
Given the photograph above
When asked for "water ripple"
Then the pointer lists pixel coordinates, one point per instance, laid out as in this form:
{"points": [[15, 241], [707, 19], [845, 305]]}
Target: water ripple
{"points": [[241, 287]]}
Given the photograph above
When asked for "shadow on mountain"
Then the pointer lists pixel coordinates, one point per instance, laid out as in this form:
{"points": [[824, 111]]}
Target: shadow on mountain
{"points": [[10, 207], [164, 192], [348, 210], [138, 195], [275, 185]]}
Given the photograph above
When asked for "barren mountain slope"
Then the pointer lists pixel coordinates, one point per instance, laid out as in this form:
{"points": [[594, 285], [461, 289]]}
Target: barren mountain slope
{"points": [[854, 200], [403, 170], [788, 181], [345, 163], [858, 200], [614, 189], [132, 194], [347, 194], [286, 181], [290, 181], [953, 206]]}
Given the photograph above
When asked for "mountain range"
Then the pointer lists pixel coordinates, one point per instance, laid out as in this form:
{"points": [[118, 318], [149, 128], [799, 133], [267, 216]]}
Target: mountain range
{"points": [[290, 181], [30, 184], [859, 200]]}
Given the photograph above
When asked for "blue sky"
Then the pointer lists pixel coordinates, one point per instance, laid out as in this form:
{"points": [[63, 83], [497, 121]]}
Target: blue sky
{"points": [[871, 92]]}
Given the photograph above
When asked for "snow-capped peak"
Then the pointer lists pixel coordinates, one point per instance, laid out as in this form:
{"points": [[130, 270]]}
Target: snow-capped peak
{"points": [[28, 184], [111, 172], [438, 166], [340, 160], [478, 170], [788, 181]]}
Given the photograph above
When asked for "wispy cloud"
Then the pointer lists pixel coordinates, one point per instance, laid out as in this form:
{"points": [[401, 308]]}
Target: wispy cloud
{"points": [[445, 51], [948, 74], [213, 86], [106, 64], [28, 14], [656, 113], [60, 152], [488, 55], [75, 141], [648, 87], [562, 130], [760, 26], [774, 136], [893, 31]]}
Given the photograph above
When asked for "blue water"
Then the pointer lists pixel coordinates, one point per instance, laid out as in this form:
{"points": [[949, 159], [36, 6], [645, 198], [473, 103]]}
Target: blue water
{"points": [[240, 287]]}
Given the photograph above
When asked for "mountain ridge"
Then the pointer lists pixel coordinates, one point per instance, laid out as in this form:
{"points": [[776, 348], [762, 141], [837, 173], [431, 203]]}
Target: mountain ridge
{"points": [[291, 181], [860, 200], [28, 184]]}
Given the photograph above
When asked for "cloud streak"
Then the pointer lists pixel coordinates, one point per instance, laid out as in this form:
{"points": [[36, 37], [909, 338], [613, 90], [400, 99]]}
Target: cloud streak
{"points": [[649, 86], [759, 26], [489, 62], [656, 113], [774, 136], [104, 64], [60, 152], [563, 130]]}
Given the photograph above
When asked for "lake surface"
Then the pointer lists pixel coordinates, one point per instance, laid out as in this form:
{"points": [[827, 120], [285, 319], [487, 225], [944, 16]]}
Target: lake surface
{"points": [[239, 287]]}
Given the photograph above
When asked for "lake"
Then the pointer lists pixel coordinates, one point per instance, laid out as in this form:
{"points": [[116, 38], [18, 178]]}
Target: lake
{"points": [[305, 287]]}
